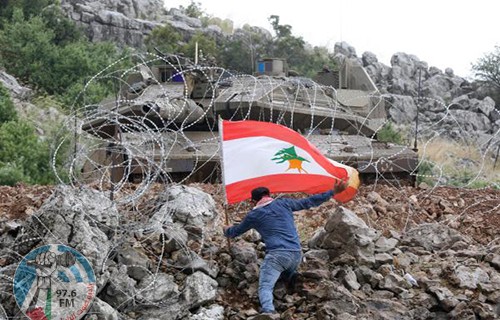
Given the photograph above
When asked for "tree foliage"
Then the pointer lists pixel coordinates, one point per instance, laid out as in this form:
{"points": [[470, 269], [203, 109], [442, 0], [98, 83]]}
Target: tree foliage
{"points": [[241, 51], [487, 67], [285, 44], [237, 55], [194, 10], [7, 109], [487, 70], [206, 46], [246, 46], [24, 157], [25, 46], [165, 38], [65, 31], [315, 58], [226, 25], [46, 52], [303, 59], [30, 8]]}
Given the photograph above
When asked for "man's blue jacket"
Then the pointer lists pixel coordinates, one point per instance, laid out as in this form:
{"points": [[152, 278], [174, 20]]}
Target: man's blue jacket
{"points": [[275, 223]]}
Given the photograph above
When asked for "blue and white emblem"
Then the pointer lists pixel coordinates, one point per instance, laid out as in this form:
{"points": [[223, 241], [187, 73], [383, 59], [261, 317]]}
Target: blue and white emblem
{"points": [[54, 282]]}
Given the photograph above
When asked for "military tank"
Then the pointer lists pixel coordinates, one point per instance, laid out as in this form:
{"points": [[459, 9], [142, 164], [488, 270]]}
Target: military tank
{"points": [[176, 103]]}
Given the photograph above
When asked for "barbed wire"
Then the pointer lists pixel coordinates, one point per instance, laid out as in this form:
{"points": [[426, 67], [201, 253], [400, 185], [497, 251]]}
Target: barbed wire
{"points": [[160, 131]]}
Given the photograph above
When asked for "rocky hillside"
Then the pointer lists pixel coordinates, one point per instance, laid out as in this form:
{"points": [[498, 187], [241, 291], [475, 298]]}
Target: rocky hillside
{"points": [[446, 104], [449, 105], [392, 253]]}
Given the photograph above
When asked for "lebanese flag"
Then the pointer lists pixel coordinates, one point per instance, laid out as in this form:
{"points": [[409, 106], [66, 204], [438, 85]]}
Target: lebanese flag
{"points": [[262, 154]]}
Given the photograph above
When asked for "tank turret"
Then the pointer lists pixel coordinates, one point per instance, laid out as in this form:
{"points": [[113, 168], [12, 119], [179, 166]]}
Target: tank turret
{"points": [[340, 111]]}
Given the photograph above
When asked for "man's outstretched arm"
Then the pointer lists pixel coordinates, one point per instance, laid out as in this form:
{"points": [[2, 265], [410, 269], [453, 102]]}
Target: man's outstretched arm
{"points": [[238, 229], [317, 199]]}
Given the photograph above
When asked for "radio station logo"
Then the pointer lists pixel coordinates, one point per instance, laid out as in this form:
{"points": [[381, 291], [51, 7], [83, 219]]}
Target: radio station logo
{"points": [[54, 282]]}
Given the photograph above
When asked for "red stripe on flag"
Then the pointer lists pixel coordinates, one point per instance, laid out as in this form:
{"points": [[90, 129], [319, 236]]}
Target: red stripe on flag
{"points": [[276, 183], [248, 128]]}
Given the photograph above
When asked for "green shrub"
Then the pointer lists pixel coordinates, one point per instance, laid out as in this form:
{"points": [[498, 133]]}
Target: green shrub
{"points": [[463, 178], [29, 7], [425, 173], [7, 109], [389, 134], [165, 38], [10, 174], [21, 148], [194, 10], [38, 52], [480, 184], [207, 46]]}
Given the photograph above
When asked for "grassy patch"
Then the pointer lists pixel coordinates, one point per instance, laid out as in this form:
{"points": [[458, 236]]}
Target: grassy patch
{"points": [[457, 164]]}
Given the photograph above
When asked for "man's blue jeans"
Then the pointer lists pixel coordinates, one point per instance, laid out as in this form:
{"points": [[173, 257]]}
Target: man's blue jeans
{"points": [[275, 263]]}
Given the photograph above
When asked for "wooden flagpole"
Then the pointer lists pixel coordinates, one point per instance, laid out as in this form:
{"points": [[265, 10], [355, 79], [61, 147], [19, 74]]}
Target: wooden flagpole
{"points": [[226, 214]]}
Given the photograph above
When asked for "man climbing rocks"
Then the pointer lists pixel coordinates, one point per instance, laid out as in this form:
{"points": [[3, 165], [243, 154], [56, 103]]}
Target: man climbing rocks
{"points": [[273, 219]]}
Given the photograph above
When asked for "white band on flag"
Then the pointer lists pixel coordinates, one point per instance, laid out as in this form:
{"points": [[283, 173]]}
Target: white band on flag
{"points": [[252, 157]]}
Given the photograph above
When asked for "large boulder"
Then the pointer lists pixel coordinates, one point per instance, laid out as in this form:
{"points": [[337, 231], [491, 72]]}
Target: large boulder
{"points": [[345, 232], [403, 109], [408, 65], [188, 205], [199, 289], [345, 49], [432, 237], [82, 218], [141, 9], [156, 288]]}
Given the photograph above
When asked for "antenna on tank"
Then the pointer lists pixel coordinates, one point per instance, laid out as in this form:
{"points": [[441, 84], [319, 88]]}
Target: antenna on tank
{"points": [[418, 105], [196, 53]]}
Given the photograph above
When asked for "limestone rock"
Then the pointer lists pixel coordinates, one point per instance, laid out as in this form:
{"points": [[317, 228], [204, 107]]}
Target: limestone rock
{"points": [[384, 244], [120, 291], [84, 219], [199, 289], [345, 49], [470, 278], [125, 22], [189, 205], [344, 232], [102, 310], [136, 261], [13, 86], [244, 252], [214, 312], [158, 287], [432, 236]]}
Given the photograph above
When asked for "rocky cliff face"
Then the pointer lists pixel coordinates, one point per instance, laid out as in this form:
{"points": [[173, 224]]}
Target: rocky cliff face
{"points": [[446, 104], [124, 22], [127, 23]]}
